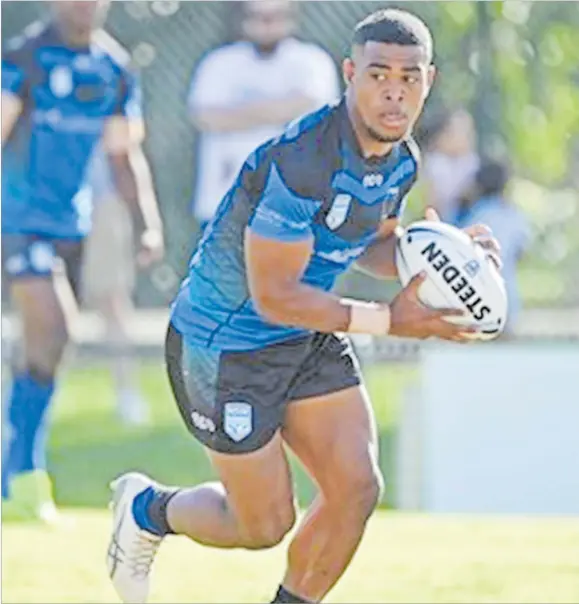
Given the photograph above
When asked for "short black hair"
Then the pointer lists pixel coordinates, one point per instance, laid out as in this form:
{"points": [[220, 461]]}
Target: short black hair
{"points": [[492, 177], [394, 26]]}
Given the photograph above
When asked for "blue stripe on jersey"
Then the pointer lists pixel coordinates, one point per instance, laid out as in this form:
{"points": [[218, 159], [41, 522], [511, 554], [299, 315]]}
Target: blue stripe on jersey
{"points": [[350, 184], [308, 184], [281, 214]]}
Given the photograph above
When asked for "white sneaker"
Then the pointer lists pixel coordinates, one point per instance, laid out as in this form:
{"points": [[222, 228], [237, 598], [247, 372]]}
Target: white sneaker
{"points": [[131, 550]]}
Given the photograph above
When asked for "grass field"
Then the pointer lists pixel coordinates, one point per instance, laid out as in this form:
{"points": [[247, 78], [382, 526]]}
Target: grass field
{"points": [[404, 558]]}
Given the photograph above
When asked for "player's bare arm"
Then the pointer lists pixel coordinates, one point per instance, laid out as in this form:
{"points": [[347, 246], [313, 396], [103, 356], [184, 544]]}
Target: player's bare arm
{"points": [[123, 139], [274, 272], [11, 110], [378, 259]]}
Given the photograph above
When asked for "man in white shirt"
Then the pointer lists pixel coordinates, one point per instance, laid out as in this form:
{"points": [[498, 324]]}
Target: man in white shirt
{"points": [[243, 94]]}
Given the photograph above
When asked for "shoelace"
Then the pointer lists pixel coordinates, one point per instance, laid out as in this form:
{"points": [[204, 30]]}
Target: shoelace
{"points": [[144, 550]]}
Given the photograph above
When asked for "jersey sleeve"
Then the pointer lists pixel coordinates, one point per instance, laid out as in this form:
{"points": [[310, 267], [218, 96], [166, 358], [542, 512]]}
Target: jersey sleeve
{"points": [[130, 96], [281, 213]]}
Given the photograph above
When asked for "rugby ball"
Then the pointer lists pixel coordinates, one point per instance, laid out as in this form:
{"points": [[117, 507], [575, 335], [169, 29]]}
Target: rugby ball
{"points": [[459, 275]]}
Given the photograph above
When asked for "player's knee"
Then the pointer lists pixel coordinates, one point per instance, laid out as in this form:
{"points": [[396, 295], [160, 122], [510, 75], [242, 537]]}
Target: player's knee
{"points": [[49, 344], [361, 492], [270, 528], [370, 494]]}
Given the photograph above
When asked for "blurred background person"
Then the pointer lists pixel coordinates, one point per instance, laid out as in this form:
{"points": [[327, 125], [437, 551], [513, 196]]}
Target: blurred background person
{"points": [[65, 86], [108, 283], [450, 160], [487, 202], [243, 94]]}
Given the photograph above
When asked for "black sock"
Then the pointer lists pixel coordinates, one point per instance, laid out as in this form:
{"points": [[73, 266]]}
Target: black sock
{"points": [[283, 596], [150, 509]]}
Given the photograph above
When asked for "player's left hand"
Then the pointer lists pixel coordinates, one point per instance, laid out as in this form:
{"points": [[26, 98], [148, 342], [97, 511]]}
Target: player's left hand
{"points": [[151, 249], [479, 233]]}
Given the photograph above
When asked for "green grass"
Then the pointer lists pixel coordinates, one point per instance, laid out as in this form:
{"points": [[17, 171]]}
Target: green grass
{"points": [[403, 558]]}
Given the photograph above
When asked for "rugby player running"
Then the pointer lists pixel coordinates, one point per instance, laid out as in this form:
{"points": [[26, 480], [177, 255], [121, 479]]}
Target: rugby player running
{"points": [[252, 351], [65, 86]]}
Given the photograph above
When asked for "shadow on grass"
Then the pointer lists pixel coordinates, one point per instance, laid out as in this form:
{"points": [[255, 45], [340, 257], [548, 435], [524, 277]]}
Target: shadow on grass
{"points": [[83, 468]]}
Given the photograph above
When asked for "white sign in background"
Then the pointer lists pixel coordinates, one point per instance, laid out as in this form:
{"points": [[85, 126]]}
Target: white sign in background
{"points": [[493, 428]]}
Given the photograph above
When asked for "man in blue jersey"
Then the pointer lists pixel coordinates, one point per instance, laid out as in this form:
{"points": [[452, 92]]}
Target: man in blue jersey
{"points": [[253, 354], [65, 87]]}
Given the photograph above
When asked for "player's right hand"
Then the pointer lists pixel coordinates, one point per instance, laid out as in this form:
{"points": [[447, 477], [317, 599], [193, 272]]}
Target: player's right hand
{"points": [[409, 318]]}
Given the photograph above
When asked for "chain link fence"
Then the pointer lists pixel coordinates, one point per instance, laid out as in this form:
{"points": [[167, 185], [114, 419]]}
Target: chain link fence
{"points": [[513, 64]]}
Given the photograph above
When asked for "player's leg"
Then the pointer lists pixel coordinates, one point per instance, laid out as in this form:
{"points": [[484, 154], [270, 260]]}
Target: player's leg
{"points": [[334, 436], [109, 291], [44, 333], [219, 396], [229, 513]]}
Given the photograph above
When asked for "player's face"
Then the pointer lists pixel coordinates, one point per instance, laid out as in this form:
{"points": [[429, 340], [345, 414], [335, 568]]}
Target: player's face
{"points": [[389, 83], [81, 15], [267, 22]]}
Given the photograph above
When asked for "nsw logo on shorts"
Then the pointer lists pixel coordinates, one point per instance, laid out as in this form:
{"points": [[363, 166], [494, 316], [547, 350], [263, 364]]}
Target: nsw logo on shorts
{"points": [[238, 420]]}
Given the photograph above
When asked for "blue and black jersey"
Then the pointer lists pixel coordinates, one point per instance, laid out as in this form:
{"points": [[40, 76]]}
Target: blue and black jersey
{"points": [[67, 95], [310, 182]]}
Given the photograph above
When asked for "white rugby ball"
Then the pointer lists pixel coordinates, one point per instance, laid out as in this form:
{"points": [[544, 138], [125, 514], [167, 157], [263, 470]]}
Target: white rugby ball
{"points": [[459, 275]]}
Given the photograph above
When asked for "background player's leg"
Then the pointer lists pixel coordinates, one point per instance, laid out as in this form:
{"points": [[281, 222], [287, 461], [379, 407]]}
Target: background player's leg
{"points": [[116, 309], [335, 438], [109, 279], [251, 507], [45, 336]]}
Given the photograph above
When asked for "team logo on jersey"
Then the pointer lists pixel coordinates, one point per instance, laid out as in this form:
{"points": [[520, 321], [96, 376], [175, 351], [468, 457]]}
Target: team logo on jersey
{"points": [[60, 81], [238, 420], [373, 180], [339, 211]]}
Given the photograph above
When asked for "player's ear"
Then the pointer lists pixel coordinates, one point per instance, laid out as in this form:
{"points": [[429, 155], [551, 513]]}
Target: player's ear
{"points": [[431, 74], [348, 70]]}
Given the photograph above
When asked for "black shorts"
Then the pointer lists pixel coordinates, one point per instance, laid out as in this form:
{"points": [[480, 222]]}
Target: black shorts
{"points": [[234, 402], [27, 255]]}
